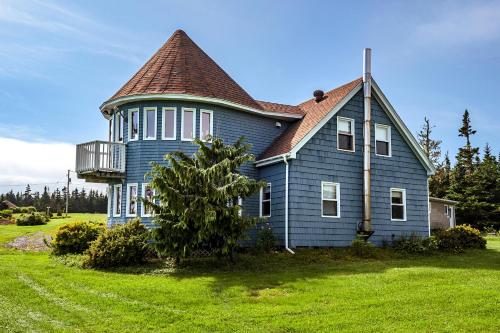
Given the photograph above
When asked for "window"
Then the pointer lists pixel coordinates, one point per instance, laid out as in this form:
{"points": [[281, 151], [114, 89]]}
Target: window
{"points": [[188, 124], [239, 202], [446, 210], [131, 200], [265, 201], [169, 129], [117, 202], [398, 204], [147, 195], [330, 199], [206, 124], [118, 127], [382, 140], [133, 124], [345, 134], [149, 130]]}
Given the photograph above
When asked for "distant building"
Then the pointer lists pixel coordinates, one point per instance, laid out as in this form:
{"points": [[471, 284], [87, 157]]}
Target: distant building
{"points": [[442, 213], [6, 204]]}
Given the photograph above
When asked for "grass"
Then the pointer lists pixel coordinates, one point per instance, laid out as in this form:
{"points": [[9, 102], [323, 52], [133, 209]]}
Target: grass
{"points": [[314, 290]]}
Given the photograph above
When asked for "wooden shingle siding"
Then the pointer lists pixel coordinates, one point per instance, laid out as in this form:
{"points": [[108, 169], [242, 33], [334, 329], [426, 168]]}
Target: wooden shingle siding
{"points": [[319, 160], [227, 124]]}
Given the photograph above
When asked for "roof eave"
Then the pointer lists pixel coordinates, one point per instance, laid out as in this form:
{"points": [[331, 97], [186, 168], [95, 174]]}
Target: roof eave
{"points": [[114, 103]]}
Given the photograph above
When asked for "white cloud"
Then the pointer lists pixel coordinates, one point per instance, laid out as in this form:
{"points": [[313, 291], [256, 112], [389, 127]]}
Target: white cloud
{"points": [[41, 163], [458, 24]]}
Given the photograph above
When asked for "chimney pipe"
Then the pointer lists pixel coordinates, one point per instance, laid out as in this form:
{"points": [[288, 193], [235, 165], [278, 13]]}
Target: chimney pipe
{"points": [[367, 92]]}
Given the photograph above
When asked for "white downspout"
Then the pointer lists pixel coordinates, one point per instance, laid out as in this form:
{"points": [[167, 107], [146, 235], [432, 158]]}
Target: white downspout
{"points": [[367, 140], [286, 205]]}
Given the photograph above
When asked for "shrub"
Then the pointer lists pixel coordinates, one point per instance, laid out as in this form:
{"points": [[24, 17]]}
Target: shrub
{"points": [[6, 213], [75, 237], [266, 240], [32, 219], [363, 249], [24, 210], [459, 238], [122, 245], [415, 244]]}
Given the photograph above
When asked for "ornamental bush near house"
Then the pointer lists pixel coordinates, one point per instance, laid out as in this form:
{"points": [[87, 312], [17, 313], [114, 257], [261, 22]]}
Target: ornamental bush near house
{"points": [[75, 237], [460, 238], [32, 219], [121, 245], [415, 245], [266, 240], [363, 249]]}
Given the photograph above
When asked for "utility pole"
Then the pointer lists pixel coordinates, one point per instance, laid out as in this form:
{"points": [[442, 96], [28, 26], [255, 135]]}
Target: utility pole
{"points": [[67, 193]]}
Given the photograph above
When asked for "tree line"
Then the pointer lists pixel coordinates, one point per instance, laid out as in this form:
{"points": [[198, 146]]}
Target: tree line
{"points": [[80, 201], [473, 181]]}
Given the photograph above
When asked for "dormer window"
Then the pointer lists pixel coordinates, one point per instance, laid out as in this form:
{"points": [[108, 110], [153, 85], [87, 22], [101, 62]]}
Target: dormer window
{"points": [[345, 134], [133, 124], [149, 131], [382, 140], [188, 128], [206, 124]]}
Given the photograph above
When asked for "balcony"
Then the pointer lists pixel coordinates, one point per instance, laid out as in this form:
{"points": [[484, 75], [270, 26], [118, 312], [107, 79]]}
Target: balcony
{"points": [[100, 161]]}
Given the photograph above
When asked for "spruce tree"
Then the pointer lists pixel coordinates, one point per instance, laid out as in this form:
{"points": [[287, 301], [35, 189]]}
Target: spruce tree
{"points": [[430, 146], [198, 197]]}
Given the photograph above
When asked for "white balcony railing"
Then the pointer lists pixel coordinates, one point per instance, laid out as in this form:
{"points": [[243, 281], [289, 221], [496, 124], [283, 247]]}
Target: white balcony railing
{"points": [[100, 156]]}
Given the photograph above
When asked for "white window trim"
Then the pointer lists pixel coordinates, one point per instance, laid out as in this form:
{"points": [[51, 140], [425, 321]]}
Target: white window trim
{"points": [[164, 110], [143, 196], [390, 139], [130, 111], [202, 111], [117, 114], [145, 122], [117, 188], [337, 189], [109, 190], [261, 196], [182, 123], [240, 203], [127, 214], [353, 134], [404, 203]]}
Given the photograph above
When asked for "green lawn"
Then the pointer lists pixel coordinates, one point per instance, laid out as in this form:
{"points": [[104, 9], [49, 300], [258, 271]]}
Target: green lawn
{"points": [[312, 291]]}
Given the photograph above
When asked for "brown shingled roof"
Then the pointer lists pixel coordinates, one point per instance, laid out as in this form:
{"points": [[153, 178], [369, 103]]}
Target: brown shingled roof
{"points": [[182, 67], [283, 108], [314, 112]]}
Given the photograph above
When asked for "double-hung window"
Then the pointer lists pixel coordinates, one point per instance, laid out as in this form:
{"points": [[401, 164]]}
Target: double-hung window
{"points": [[206, 124], [133, 124], [265, 201], [131, 200], [188, 128], [117, 201], [169, 128], [382, 140], [147, 195], [345, 134], [149, 130], [398, 204], [330, 199], [118, 127]]}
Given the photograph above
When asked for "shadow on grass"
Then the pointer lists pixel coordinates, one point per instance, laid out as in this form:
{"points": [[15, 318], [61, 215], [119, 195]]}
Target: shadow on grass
{"points": [[256, 272]]}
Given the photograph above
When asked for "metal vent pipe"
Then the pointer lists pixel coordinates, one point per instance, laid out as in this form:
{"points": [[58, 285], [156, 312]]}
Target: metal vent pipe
{"points": [[367, 92]]}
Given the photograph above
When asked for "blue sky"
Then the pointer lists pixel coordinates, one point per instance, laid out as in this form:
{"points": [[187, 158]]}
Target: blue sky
{"points": [[59, 60]]}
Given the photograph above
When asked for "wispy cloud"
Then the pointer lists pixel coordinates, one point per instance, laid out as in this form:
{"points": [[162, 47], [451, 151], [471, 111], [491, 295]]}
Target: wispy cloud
{"points": [[456, 23]]}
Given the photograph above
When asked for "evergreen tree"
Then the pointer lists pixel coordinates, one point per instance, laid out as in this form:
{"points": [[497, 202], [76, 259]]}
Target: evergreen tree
{"points": [[439, 183], [430, 146], [199, 199], [27, 197]]}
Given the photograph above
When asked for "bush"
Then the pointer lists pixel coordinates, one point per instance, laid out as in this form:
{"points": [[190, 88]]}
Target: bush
{"points": [[122, 245], [6, 213], [32, 219], [363, 249], [415, 244], [460, 238], [75, 237], [24, 210], [266, 240]]}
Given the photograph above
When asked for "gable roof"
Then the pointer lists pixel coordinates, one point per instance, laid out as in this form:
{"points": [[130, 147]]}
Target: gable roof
{"points": [[314, 113]]}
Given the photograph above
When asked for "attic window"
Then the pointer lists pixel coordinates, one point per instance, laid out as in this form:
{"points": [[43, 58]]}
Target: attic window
{"points": [[345, 134], [382, 140]]}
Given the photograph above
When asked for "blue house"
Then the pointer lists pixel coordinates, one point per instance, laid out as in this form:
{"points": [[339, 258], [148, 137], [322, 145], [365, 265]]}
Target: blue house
{"points": [[339, 164]]}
